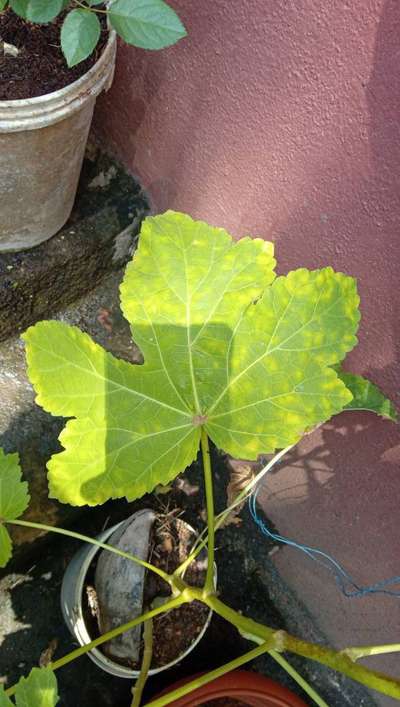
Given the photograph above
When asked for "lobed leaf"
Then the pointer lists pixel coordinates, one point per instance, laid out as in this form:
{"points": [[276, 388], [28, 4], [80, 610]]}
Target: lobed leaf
{"points": [[367, 396], [149, 24], [40, 11], [225, 347], [39, 689], [131, 433], [14, 499], [80, 33], [279, 382]]}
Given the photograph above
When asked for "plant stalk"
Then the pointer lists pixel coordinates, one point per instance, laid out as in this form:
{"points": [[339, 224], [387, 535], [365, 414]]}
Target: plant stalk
{"points": [[93, 541], [173, 604], [209, 677], [201, 541], [282, 641], [205, 449], [298, 678], [146, 662], [357, 652]]}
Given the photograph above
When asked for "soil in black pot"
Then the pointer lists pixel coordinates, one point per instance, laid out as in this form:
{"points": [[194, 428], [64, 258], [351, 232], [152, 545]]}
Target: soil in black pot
{"points": [[175, 631], [40, 66]]}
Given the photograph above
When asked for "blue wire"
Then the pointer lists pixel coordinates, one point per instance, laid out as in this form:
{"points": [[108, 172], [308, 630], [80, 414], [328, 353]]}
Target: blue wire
{"points": [[345, 582]]}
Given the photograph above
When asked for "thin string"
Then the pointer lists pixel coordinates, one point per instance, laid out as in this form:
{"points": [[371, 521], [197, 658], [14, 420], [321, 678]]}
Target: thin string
{"points": [[344, 580]]}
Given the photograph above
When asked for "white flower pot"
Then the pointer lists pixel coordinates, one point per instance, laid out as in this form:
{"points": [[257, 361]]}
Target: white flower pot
{"points": [[71, 604], [42, 145]]}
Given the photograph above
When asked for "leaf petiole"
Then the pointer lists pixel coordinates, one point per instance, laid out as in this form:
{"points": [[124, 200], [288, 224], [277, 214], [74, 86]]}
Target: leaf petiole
{"points": [[93, 541]]}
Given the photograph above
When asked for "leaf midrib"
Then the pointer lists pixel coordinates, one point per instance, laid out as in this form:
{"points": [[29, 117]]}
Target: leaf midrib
{"points": [[96, 374]]}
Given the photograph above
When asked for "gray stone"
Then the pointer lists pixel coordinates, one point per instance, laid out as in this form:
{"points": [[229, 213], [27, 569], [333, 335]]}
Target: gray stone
{"points": [[119, 585]]}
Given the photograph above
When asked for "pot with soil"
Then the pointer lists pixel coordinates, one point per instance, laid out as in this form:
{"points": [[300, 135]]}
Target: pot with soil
{"points": [[46, 110], [239, 688], [101, 591]]}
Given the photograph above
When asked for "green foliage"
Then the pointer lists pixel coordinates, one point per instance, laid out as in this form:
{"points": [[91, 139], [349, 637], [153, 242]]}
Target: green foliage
{"points": [[40, 11], [39, 689], [367, 396], [225, 346], [80, 33], [4, 701], [14, 499], [150, 24]]}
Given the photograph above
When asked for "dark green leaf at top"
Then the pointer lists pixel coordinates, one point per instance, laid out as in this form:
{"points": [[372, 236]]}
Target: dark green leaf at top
{"points": [[149, 24], [79, 35], [40, 11]]}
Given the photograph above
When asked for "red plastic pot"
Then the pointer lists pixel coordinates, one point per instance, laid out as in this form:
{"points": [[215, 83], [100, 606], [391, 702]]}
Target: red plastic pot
{"points": [[250, 688]]}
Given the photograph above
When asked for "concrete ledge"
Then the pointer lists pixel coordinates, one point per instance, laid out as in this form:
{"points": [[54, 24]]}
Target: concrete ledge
{"points": [[97, 239]]}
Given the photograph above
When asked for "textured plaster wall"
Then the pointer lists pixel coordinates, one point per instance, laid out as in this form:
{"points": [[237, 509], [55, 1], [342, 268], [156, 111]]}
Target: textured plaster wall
{"points": [[281, 118]]}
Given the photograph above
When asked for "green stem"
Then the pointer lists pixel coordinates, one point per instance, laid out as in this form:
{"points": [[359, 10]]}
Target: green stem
{"points": [[357, 652], [173, 604], [146, 662], [209, 583], [282, 641], [221, 517], [90, 9], [298, 678], [93, 541], [204, 679]]}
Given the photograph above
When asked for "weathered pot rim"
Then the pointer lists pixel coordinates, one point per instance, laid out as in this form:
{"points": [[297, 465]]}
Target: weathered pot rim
{"points": [[40, 111], [71, 607]]}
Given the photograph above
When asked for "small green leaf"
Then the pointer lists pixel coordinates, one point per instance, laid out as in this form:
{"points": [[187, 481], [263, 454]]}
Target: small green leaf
{"points": [[367, 396], [4, 701], [3, 3], [80, 33], [14, 497], [40, 11], [5, 546], [39, 689], [91, 3], [150, 24]]}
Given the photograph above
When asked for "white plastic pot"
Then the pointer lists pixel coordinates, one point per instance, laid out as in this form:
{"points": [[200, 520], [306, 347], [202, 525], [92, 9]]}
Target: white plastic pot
{"points": [[71, 605], [42, 145]]}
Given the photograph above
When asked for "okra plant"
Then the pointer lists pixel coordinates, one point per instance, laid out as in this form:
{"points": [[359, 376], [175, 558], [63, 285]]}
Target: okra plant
{"points": [[149, 24], [232, 354]]}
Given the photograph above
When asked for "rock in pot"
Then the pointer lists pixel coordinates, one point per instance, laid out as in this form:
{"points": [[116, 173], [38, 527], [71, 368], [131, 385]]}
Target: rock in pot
{"points": [[119, 584]]}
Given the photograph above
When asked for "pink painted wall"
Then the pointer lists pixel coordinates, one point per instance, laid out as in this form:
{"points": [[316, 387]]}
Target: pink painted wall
{"points": [[281, 118]]}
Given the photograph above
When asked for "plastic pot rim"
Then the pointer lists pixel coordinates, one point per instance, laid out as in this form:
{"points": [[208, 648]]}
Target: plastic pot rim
{"points": [[242, 685]]}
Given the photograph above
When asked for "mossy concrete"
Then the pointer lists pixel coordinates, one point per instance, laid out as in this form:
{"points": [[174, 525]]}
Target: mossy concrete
{"points": [[97, 239]]}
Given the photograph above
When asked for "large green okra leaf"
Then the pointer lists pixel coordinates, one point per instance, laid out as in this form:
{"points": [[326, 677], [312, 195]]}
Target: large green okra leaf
{"points": [[225, 347]]}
